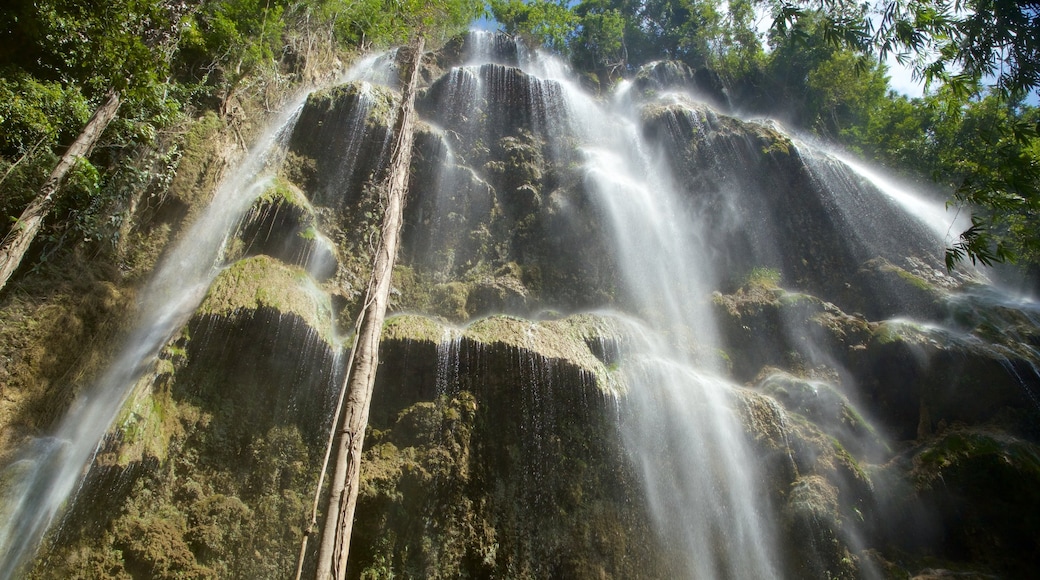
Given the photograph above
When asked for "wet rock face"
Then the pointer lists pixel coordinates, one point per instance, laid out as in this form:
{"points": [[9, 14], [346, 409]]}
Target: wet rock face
{"points": [[339, 143], [665, 76], [962, 466], [766, 201], [213, 461], [494, 101], [513, 461], [283, 225]]}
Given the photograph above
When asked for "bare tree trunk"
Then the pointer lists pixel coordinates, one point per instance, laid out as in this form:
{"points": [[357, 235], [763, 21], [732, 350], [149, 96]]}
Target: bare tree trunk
{"points": [[335, 544], [17, 242]]}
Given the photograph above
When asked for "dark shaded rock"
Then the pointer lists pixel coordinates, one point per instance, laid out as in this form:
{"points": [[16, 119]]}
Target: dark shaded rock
{"points": [[450, 233], [670, 75], [916, 378], [282, 224], [977, 486], [767, 202], [762, 325], [902, 293], [488, 458], [339, 143], [493, 101]]}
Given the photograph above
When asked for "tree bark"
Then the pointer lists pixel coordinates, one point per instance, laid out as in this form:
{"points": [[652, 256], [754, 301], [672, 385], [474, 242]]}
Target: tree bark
{"points": [[332, 555], [24, 231]]}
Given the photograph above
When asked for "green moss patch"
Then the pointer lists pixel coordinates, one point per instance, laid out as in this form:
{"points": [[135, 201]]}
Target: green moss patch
{"points": [[572, 339], [262, 282]]}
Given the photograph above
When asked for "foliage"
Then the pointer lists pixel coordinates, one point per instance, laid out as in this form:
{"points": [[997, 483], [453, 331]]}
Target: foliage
{"points": [[600, 42], [231, 38], [958, 43], [674, 29], [37, 113], [544, 22]]}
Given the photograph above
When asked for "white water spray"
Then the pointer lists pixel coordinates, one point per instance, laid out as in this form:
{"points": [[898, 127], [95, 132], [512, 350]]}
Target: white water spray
{"points": [[946, 224], [679, 426]]}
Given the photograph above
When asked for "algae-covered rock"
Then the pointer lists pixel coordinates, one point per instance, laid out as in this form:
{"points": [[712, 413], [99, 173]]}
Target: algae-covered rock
{"points": [[499, 437], [217, 454], [576, 340], [339, 142], [906, 293], [282, 224], [979, 485], [827, 408], [919, 376], [814, 518], [825, 493], [207, 151], [263, 283], [763, 325]]}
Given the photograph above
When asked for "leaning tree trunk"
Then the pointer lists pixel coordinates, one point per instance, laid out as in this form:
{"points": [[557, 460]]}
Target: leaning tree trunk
{"points": [[17, 242], [335, 543]]}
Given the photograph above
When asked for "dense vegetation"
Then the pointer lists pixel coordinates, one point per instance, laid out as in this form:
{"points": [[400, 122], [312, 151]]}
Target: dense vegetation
{"points": [[819, 68]]}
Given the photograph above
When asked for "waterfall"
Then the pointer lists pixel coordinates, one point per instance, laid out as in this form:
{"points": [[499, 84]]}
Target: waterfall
{"points": [[632, 337], [53, 468], [678, 423]]}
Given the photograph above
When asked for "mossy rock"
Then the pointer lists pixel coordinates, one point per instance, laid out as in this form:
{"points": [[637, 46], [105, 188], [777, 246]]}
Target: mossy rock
{"points": [[223, 443], [512, 457], [412, 327], [199, 169], [919, 377], [282, 224], [897, 292], [825, 492], [567, 339], [262, 282], [828, 409], [575, 340], [981, 485], [337, 145], [814, 518], [763, 325]]}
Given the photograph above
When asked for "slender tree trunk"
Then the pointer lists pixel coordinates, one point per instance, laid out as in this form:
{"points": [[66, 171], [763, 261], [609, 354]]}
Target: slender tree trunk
{"points": [[332, 556], [17, 242]]}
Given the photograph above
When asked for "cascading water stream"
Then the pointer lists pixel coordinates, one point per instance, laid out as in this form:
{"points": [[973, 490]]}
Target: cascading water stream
{"points": [[704, 496], [944, 223], [533, 196], [48, 471], [678, 423]]}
